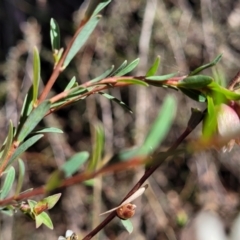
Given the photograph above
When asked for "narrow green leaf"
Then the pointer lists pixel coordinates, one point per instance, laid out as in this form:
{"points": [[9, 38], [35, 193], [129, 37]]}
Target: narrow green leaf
{"points": [[49, 130], [54, 180], [81, 39], [194, 94], [8, 142], [79, 90], [161, 78], [153, 69], [128, 68], [160, 127], [70, 84], [52, 200], [23, 147], [102, 76], [208, 65], [8, 212], [101, 6], [74, 92], [54, 35], [95, 7], [121, 103], [74, 163], [31, 204], [210, 120], [216, 88], [34, 118], [134, 81], [27, 105], [119, 69], [36, 73], [127, 225], [195, 82], [38, 220], [43, 218], [28, 190], [127, 154], [98, 147], [8, 183], [20, 176], [46, 220], [57, 55], [89, 182]]}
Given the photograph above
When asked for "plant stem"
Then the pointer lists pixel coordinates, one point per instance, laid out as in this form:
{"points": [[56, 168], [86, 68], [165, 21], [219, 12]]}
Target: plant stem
{"points": [[191, 126]]}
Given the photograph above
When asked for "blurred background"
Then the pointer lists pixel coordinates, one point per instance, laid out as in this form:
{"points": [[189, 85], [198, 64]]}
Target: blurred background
{"points": [[192, 197]]}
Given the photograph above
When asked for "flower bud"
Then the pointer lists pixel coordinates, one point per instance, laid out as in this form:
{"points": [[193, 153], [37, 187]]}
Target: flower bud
{"points": [[227, 122], [126, 211]]}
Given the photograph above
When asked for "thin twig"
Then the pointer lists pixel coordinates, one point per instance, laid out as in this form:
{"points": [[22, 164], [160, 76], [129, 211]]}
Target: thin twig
{"points": [[191, 126]]}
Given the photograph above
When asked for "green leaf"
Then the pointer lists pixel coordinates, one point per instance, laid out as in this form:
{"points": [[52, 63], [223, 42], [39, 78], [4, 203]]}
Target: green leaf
{"points": [[195, 82], [28, 190], [31, 204], [70, 84], [161, 78], [153, 69], [121, 103], [194, 94], [8, 212], [216, 88], [89, 182], [210, 120], [98, 147], [23, 147], [95, 7], [127, 154], [160, 127], [20, 176], [127, 225], [57, 55], [27, 105], [102, 76], [74, 163], [43, 218], [52, 200], [101, 6], [128, 68], [119, 69], [8, 143], [54, 35], [36, 73], [74, 92], [79, 90], [54, 180], [34, 118], [8, 183], [199, 69], [134, 81], [81, 39], [49, 130]]}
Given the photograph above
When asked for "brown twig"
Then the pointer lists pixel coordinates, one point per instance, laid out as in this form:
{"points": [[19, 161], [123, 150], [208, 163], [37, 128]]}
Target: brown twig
{"points": [[78, 178], [106, 84]]}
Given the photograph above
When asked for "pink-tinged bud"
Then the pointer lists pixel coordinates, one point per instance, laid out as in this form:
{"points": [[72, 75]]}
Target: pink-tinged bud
{"points": [[227, 122]]}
